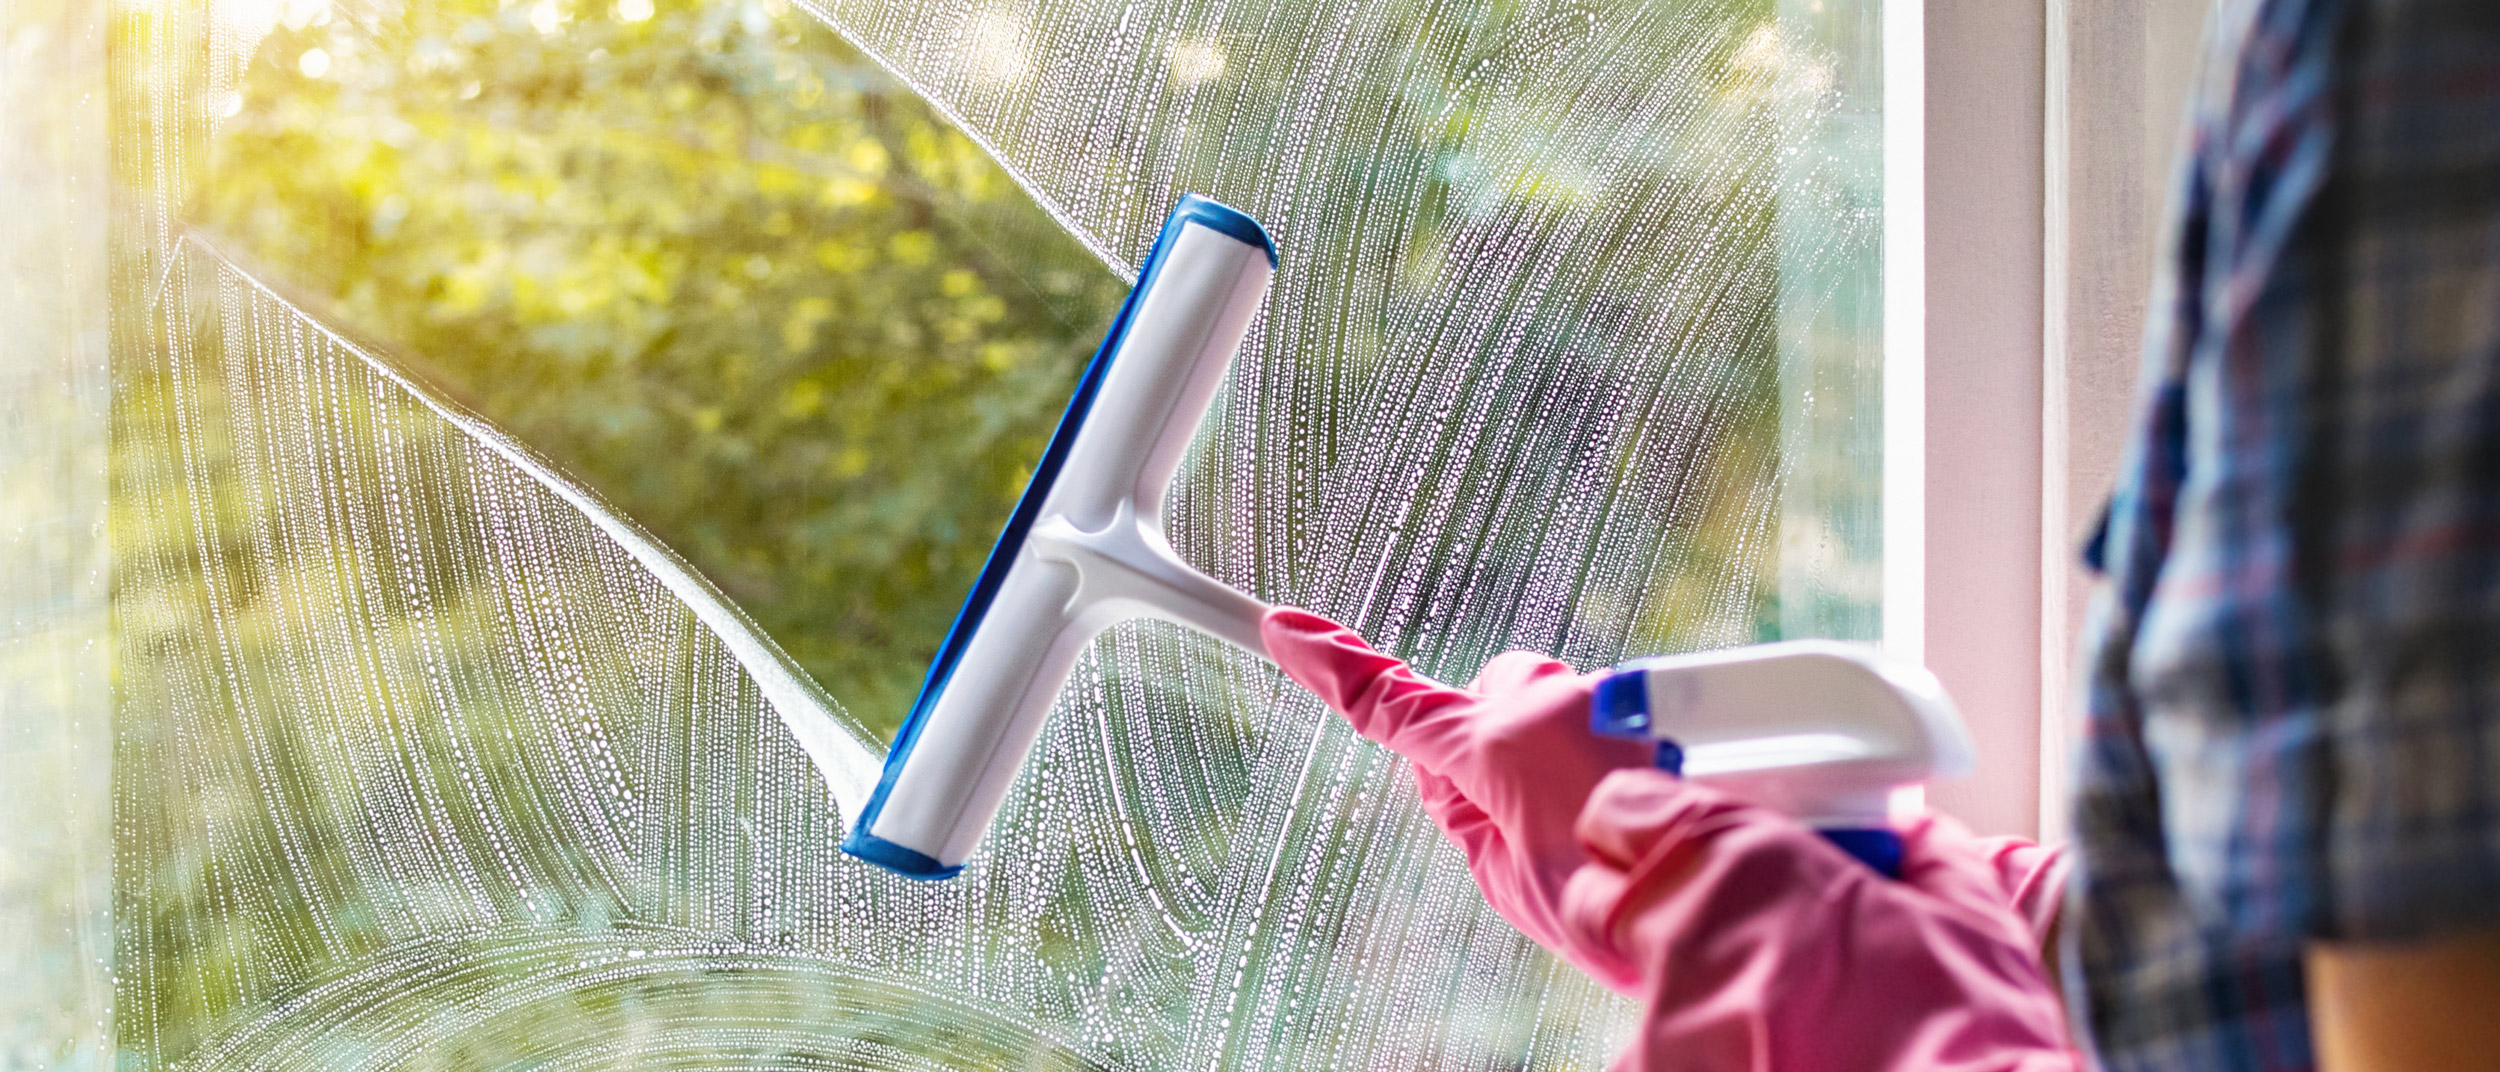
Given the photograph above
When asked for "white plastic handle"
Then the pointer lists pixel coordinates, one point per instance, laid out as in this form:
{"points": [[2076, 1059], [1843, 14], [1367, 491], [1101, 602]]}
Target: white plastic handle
{"points": [[1128, 570]]}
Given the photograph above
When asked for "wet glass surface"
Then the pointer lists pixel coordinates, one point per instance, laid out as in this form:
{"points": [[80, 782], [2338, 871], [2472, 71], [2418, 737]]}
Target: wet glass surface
{"points": [[546, 438]]}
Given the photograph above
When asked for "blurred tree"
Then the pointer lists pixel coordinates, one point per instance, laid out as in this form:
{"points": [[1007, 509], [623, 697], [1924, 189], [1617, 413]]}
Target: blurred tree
{"points": [[708, 258]]}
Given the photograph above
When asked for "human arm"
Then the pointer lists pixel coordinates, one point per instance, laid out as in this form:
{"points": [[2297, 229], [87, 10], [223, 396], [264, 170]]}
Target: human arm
{"points": [[1761, 946], [2389, 1007], [1503, 765], [1736, 925]]}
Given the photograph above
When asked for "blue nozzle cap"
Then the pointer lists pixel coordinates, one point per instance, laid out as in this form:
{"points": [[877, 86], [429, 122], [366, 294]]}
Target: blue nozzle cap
{"points": [[1620, 705]]}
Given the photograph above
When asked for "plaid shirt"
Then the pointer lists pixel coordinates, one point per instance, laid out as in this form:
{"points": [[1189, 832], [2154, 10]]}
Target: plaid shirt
{"points": [[2293, 709]]}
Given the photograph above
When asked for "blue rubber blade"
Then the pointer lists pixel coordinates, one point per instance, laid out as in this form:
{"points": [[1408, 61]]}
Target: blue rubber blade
{"points": [[909, 863]]}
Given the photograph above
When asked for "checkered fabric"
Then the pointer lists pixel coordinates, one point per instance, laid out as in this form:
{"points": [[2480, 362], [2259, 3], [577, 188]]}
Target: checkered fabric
{"points": [[2293, 698]]}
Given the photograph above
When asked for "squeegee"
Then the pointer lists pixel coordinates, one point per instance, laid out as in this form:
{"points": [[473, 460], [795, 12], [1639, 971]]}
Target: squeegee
{"points": [[1084, 549]]}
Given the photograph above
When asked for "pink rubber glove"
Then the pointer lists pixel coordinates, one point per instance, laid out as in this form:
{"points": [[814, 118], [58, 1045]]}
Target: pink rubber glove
{"points": [[1756, 945], [2031, 878], [1504, 764]]}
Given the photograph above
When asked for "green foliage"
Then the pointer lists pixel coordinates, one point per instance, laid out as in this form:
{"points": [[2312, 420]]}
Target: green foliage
{"points": [[712, 261]]}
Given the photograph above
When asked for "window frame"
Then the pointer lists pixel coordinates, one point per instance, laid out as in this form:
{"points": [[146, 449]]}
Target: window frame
{"points": [[2027, 155]]}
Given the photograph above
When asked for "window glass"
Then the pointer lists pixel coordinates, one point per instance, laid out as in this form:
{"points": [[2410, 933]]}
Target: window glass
{"points": [[704, 257], [56, 667], [547, 439]]}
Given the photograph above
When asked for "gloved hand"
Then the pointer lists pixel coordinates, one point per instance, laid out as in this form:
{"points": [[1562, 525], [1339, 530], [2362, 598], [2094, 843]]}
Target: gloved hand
{"points": [[1757, 945], [1503, 764], [1754, 943]]}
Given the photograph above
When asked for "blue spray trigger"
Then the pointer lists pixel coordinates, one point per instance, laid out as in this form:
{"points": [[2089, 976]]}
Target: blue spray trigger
{"points": [[1874, 846], [1669, 757]]}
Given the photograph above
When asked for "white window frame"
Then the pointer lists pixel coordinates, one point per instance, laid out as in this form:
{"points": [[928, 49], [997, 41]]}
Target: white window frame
{"points": [[2026, 150]]}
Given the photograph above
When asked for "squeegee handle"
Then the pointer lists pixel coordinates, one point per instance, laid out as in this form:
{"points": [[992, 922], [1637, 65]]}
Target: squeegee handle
{"points": [[1217, 609], [1128, 570]]}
